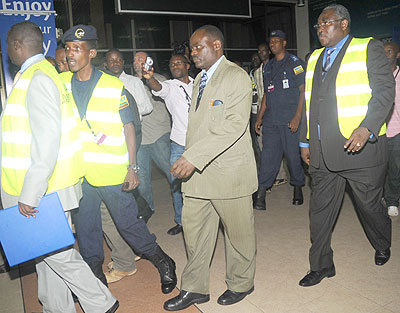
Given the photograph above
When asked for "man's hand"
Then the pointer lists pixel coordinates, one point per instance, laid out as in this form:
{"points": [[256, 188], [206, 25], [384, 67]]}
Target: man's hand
{"points": [[305, 155], [27, 210], [357, 139], [182, 168], [131, 180], [147, 74], [294, 123], [257, 125]]}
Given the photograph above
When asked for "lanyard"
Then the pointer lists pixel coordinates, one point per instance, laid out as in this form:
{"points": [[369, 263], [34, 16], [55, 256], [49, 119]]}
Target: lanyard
{"points": [[90, 127]]}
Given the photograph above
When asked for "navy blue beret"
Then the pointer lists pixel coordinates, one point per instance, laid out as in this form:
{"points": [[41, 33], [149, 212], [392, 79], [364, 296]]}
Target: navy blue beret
{"points": [[80, 33], [277, 33]]}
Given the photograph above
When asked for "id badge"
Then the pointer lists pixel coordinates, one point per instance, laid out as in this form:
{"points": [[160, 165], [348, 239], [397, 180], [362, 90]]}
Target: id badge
{"points": [[100, 137], [285, 83], [270, 88]]}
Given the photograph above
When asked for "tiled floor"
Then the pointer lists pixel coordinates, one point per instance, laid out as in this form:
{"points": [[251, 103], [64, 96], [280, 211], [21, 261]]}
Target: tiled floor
{"points": [[282, 260]]}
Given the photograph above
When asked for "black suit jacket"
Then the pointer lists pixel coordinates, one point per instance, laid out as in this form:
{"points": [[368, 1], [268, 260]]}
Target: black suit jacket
{"points": [[323, 111]]}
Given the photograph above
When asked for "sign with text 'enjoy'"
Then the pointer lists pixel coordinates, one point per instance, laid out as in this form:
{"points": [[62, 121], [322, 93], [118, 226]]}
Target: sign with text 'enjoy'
{"points": [[38, 12]]}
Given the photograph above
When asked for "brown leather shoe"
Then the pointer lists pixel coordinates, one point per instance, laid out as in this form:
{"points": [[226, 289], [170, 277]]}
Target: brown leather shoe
{"points": [[113, 275]]}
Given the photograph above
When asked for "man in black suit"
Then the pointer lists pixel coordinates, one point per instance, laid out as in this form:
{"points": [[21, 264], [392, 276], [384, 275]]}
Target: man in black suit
{"points": [[349, 92]]}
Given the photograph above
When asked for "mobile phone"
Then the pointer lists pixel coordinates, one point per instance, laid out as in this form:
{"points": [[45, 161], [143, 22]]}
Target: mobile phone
{"points": [[148, 64]]}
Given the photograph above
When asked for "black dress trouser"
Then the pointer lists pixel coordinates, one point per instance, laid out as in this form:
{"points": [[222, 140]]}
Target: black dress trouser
{"points": [[327, 192]]}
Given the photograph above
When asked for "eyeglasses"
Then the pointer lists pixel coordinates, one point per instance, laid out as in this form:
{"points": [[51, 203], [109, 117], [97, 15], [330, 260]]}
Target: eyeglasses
{"points": [[327, 23]]}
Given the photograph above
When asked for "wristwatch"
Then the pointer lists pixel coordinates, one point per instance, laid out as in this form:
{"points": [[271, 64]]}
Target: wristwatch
{"points": [[135, 167]]}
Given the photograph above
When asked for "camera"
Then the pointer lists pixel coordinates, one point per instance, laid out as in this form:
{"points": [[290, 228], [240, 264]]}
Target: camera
{"points": [[148, 63]]}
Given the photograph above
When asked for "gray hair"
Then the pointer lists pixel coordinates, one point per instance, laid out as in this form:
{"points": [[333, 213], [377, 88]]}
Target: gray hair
{"points": [[340, 11]]}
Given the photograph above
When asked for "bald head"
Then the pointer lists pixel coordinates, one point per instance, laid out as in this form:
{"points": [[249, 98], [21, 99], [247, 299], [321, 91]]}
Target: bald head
{"points": [[29, 34], [24, 40]]}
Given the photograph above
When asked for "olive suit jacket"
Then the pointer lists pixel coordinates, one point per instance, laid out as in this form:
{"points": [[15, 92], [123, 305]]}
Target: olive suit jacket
{"points": [[218, 141]]}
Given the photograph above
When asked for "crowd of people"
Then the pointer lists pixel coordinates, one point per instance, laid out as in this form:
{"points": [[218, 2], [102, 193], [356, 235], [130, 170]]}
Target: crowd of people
{"points": [[94, 135]]}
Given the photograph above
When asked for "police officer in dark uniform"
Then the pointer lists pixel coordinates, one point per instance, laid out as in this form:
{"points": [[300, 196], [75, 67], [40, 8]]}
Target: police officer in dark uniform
{"points": [[280, 115]]}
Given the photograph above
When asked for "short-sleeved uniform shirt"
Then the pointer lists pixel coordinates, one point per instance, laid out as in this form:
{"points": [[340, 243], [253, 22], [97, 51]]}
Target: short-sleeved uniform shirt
{"points": [[281, 85], [82, 92]]}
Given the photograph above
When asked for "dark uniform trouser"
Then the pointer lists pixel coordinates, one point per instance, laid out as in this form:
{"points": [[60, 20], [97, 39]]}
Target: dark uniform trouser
{"points": [[279, 140], [327, 192], [123, 209], [200, 221], [392, 185]]}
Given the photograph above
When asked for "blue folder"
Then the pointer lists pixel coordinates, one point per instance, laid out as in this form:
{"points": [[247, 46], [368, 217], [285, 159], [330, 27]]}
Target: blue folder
{"points": [[24, 238]]}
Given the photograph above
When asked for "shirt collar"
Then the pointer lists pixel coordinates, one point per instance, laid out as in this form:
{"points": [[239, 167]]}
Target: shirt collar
{"points": [[213, 68], [28, 62], [340, 44]]}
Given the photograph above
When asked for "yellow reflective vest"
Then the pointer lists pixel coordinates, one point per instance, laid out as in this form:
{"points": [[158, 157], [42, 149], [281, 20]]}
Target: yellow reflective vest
{"points": [[105, 164], [353, 91], [17, 136]]}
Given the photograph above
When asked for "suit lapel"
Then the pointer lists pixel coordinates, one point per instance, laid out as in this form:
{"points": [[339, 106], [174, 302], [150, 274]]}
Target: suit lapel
{"points": [[212, 85]]}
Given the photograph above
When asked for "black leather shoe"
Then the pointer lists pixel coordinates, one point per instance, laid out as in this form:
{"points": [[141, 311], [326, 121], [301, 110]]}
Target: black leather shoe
{"points": [[114, 307], [259, 204], [382, 256], [314, 277], [298, 195], [230, 297], [4, 268], [175, 230], [166, 267], [185, 299]]}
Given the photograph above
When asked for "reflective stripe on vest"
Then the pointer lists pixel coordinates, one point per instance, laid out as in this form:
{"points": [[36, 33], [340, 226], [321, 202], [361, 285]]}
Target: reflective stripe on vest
{"points": [[104, 164], [353, 92], [16, 137]]}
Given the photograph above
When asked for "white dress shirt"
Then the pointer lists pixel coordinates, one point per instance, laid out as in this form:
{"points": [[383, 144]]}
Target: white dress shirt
{"points": [[177, 96]]}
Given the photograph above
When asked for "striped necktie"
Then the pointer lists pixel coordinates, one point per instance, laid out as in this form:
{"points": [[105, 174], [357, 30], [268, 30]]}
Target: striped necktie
{"points": [[203, 82], [328, 62]]}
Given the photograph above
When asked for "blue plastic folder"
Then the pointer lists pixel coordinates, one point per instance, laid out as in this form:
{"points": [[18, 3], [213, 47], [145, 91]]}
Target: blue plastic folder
{"points": [[24, 238]]}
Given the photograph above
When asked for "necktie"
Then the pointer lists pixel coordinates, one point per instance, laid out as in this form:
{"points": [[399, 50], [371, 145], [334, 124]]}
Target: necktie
{"points": [[203, 82], [328, 63], [17, 76]]}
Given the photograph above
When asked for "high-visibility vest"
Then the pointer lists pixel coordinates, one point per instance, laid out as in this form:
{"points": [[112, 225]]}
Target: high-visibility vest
{"points": [[105, 164], [17, 137], [353, 91]]}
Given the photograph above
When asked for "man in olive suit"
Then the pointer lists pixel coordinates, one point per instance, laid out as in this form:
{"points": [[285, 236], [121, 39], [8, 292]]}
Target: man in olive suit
{"points": [[219, 172]]}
